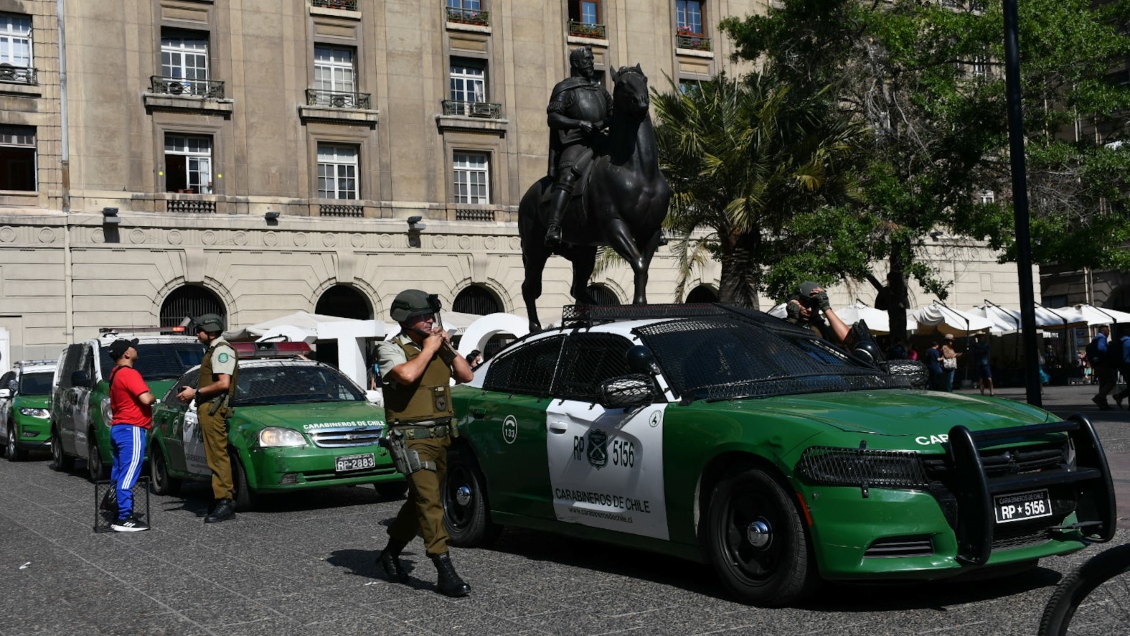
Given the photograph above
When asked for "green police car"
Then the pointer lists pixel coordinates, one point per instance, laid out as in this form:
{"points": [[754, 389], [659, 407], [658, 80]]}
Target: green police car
{"points": [[727, 436], [25, 395], [298, 425]]}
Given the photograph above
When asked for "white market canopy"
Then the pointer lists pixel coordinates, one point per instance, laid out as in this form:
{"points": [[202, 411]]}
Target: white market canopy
{"points": [[1007, 321], [1098, 315], [303, 326], [938, 318], [878, 321]]}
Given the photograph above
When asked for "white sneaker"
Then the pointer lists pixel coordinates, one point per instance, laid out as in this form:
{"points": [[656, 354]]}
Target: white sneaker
{"points": [[129, 524]]}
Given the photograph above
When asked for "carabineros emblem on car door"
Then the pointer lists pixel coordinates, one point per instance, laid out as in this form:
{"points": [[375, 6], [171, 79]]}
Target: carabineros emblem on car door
{"points": [[598, 448]]}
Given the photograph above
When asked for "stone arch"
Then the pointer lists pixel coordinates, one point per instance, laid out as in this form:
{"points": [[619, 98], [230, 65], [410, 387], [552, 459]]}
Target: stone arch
{"points": [[344, 301], [364, 289], [230, 311], [500, 292], [605, 295], [702, 294], [477, 299]]}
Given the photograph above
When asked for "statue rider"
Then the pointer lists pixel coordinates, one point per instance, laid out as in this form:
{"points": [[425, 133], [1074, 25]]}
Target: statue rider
{"points": [[579, 109]]}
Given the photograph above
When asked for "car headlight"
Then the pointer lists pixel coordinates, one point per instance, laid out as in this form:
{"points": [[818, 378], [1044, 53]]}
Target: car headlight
{"points": [[107, 412], [40, 413], [274, 437], [833, 466]]}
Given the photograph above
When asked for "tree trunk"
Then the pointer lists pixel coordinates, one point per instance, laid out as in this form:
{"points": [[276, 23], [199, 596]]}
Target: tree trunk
{"points": [[741, 271], [898, 297]]}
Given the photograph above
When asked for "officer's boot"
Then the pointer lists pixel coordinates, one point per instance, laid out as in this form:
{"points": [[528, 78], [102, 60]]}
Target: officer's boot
{"points": [[389, 561], [449, 583], [225, 509], [558, 201]]}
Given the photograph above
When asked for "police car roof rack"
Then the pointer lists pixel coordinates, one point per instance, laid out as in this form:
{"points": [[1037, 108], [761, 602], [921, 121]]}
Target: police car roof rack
{"points": [[34, 363], [589, 315], [271, 349], [106, 331]]}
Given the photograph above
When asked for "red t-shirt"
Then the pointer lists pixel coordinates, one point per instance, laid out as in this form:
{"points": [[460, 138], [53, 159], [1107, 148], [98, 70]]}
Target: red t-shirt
{"points": [[126, 386]]}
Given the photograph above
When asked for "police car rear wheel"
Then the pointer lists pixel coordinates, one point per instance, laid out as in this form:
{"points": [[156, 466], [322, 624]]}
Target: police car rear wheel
{"points": [[465, 511], [757, 541], [60, 461], [94, 464], [244, 497], [161, 482]]}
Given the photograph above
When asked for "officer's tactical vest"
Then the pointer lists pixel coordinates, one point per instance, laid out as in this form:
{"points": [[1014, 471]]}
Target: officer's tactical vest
{"points": [[428, 398], [206, 377]]}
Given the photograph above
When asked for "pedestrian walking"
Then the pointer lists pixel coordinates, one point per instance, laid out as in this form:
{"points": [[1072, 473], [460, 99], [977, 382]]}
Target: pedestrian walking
{"points": [[934, 366], [130, 403], [981, 359], [1104, 369], [1122, 358], [949, 362]]}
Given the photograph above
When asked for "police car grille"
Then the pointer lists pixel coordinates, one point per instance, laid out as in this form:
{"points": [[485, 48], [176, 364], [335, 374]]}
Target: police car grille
{"points": [[918, 545], [1024, 533], [343, 437]]}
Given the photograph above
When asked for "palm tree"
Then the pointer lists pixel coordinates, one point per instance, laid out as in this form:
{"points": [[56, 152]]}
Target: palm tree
{"points": [[742, 158]]}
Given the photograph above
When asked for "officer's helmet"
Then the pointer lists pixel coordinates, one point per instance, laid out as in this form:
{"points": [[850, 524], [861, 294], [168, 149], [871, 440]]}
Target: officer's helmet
{"points": [[413, 302], [209, 323]]}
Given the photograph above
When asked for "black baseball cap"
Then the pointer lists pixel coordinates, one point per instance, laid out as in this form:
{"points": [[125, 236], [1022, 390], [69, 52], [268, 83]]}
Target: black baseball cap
{"points": [[118, 348]]}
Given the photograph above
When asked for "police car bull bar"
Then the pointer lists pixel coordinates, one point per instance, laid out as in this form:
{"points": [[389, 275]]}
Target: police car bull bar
{"points": [[1095, 506]]}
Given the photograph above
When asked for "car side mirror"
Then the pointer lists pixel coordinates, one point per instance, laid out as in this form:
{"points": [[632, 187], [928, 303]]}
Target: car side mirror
{"points": [[627, 392], [642, 360], [5, 393], [80, 378]]}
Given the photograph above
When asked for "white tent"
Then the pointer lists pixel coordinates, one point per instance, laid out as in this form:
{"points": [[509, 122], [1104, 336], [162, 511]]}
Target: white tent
{"points": [[1006, 321], [778, 311], [938, 318], [878, 321], [300, 323], [1098, 315]]}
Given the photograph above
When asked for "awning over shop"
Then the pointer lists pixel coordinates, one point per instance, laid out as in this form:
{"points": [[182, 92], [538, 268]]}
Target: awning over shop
{"points": [[1097, 315], [1006, 320], [878, 321], [938, 318]]}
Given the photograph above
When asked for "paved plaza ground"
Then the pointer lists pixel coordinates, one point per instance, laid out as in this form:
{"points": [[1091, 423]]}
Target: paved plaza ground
{"points": [[304, 565]]}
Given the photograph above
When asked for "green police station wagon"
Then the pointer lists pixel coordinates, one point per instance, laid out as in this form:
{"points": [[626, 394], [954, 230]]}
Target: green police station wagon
{"points": [[25, 395], [730, 437], [298, 425]]}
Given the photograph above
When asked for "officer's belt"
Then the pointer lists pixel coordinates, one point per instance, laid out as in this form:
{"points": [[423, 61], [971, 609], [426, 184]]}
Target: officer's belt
{"points": [[425, 429]]}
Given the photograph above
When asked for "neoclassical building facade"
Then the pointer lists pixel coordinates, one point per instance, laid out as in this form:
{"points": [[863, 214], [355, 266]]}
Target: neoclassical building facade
{"points": [[161, 158]]}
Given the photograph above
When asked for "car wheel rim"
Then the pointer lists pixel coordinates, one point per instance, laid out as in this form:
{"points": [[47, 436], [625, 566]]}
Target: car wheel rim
{"points": [[749, 539], [11, 442], [56, 451], [460, 496], [94, 458]]}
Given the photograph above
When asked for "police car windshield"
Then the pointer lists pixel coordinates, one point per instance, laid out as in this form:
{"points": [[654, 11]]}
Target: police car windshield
{"points": [[35, 383], [294, 384], [160, 360]]}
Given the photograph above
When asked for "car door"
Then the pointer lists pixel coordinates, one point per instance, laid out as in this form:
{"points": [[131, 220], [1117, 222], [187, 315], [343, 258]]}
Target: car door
{"points": [[64, 412], [80, 403], [605, 465], [168, 420], [6, 381], [508, 426]]}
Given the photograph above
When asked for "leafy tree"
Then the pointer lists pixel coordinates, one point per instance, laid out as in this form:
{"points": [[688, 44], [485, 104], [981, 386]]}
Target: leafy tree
{"points": [[926, 79], [743, 160]]}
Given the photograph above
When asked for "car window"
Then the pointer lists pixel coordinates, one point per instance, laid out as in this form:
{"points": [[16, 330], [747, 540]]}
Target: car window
{"points": [[161, 360], [588, 361], [294, 384], [525, 370], [187, 379], [6, 379], [35, 383], [71, 364]]}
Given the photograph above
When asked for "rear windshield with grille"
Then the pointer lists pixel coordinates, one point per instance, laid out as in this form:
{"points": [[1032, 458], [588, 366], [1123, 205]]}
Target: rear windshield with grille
{"points": [[160, 361], [589, 360], [293, 384], [723, 357], [525, 370]]}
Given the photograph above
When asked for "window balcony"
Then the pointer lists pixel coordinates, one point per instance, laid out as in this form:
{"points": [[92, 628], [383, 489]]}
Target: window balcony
{"points": [[586, 30], [692, 42], [18, 75], [484, 110], [341, 5], [190, 206], [208, 89], [315, 97], [465, 16], [343, 211]]}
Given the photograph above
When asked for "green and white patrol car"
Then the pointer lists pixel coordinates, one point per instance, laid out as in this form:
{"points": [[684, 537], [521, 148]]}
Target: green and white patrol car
{"points": [[298, 425], [25, 395], [727, 436]]}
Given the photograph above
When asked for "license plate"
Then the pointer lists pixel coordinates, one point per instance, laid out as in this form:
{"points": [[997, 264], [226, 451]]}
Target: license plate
{"points": [[1021, 506], [350, 463]]}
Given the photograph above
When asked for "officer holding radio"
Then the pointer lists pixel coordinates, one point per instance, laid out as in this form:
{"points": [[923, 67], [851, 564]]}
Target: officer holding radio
{"points": [[810, 308], [417, 366]]}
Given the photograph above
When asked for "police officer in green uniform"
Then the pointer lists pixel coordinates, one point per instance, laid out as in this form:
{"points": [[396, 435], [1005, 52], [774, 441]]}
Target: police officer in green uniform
{"points": [[219, 371], [416, 369]]}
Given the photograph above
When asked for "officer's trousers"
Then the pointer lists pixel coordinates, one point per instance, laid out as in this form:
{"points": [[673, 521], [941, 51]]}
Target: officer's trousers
{"points": [[214, 431], [423, 510]]}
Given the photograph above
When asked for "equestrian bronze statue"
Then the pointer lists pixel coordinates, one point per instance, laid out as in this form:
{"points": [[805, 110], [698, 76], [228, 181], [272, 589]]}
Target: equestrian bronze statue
{"points": [[604, 186]]}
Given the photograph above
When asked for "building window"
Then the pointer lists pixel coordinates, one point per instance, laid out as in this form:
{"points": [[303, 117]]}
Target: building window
{"points": [[17, 158], [184, 56], [15, 40], [584, 11], [688, 16], [465, 5], [333, 70], [476, 300], [189, 301], [188, 164], [468, 80], [980, 66], [337, 172], [472, 178], [987, 196]]}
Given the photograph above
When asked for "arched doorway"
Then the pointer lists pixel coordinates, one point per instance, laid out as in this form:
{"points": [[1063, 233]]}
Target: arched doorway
{"points": [[477, 300], [603, 296], [190, 301], [344, 302], [702, 294]]}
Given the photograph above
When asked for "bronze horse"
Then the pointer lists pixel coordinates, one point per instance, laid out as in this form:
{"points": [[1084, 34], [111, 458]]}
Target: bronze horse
{"points": [[623, 204]]}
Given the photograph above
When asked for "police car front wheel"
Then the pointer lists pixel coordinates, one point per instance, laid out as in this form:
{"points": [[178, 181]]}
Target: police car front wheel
{"points": [[465, 510]]}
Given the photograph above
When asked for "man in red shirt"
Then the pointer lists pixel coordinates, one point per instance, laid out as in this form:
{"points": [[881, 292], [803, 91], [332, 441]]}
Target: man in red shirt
{"points": [[130, 402]]}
